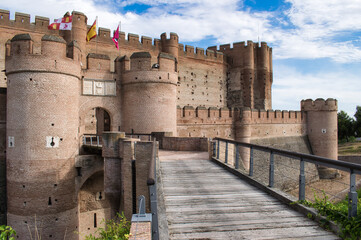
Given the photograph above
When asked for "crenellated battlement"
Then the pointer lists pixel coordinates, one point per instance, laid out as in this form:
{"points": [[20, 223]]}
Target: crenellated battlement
{"points": [[260, 116], [54, 56], [319, 104], [188, 51], [169, 45], [203, 115], [237, 45], [22, 21], [141, 69]]}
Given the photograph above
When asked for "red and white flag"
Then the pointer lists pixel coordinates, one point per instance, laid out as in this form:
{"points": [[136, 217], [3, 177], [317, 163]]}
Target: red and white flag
{"points": [[64, 23]]}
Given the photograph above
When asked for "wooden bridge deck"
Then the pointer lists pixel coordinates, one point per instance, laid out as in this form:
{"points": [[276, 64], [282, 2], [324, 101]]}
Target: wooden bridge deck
{"points": [[204, 201]]}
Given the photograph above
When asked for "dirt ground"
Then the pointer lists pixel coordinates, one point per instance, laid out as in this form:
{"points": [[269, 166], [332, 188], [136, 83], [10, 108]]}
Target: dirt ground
{"points": [[336, 189]]}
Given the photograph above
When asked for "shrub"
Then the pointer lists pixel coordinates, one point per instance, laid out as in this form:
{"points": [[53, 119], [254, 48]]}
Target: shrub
{"points": [[115, 229], [7, 233]]}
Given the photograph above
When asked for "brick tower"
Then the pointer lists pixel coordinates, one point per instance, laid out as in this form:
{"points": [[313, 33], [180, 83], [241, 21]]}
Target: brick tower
{"points": [[149, 94], [322, 130], [42, 134]]}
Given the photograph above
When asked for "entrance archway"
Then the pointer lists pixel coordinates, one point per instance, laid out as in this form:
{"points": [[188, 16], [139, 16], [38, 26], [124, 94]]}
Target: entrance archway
{"points": [[97, 121]]}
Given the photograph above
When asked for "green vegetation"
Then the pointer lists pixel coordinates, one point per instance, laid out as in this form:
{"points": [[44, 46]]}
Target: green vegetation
{"points": [[348, 128], [349, 148], [338, 213], [117, 229], [7, 233]]}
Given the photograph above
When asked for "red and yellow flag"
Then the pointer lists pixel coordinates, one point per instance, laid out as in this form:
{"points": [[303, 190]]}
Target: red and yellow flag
{"points": [[92, 32]]}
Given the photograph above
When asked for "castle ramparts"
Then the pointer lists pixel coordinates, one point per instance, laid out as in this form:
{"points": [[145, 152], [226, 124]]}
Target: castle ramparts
{"points": [[58, 88]]}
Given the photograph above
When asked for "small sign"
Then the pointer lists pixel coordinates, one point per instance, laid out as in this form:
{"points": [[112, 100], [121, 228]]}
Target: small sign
{"points": [[99, 196], [11, 141], [323, 130], [87, 87], [52, 142]]}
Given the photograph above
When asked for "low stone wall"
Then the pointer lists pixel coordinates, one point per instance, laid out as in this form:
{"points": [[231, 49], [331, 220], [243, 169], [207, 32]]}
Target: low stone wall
{"points": [[351, 159], [287, 170], [141, 230], [185, 144]]}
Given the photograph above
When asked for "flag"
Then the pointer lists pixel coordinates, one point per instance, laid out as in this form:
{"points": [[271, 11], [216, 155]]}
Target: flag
{"points": [[64, 23], [92, 32], [116, 38]]}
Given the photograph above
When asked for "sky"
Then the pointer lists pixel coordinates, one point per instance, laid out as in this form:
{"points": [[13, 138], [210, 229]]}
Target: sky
{"points": [[316, 43]]}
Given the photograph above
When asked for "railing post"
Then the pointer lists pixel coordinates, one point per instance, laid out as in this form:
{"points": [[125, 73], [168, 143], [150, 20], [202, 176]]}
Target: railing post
{"points": [[97, 141], [237, 157], [251, 162], [84, 140], [271, 170], [91, 141], [302, 181], [217, 149], [226, 154], [214, 149], [352, 196]]}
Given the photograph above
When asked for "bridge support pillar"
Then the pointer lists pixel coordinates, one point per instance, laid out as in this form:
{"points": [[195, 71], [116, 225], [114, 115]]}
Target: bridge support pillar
{"points": [[112, 169]]}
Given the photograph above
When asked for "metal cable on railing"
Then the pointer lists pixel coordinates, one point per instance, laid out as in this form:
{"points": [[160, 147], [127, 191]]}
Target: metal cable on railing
{"points": [[221, 148]]}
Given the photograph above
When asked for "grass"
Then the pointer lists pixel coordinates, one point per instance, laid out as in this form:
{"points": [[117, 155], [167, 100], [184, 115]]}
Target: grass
{"points": [[349, 148]]}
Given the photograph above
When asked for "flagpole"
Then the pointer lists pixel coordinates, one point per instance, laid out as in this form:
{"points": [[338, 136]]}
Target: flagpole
{"points": [[119, 24], [96, 29]]}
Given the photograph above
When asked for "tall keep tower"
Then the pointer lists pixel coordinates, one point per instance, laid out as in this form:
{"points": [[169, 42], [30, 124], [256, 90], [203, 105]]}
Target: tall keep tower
{"points": [[42, 137], [149, 94], [249, 74]]}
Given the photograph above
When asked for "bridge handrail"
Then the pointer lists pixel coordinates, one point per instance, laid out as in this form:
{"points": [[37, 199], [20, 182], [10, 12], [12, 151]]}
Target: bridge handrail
{"points": [[338, 164], [152, 185], [352, 168]]}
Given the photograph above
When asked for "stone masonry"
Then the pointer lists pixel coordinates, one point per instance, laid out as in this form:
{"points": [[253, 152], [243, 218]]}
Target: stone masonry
{"points": [[57, 88]]}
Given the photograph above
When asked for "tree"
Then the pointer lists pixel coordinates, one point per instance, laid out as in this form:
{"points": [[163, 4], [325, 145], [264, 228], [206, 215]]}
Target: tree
{"points": [[345, 125], [358, 121]]}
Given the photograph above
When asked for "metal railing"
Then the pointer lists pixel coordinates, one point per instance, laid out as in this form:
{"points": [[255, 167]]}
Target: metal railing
{"points": [[92, 140], [232, 157], [152, 185]]}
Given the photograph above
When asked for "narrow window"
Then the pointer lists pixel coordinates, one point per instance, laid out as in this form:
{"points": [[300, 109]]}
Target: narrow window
{"points": [[95, 220]]}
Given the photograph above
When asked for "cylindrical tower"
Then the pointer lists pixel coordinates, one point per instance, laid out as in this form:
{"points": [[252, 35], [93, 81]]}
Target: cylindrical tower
{"points": [[78, 33], [243, 134], [170, 45], [262, 87], [248, 75], [322, 130], [42, 138], [149, 95]]}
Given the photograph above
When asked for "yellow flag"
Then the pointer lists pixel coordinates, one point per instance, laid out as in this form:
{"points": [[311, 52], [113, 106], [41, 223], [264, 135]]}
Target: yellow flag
{"points": [[92, 32]]}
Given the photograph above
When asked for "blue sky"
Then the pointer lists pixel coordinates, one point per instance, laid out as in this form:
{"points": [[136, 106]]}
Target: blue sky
{"points": [[316, 43]]}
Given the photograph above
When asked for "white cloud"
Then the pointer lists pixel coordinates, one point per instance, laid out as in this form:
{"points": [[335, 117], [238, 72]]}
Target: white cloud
{"points": [[310, 29], [291, 86]]}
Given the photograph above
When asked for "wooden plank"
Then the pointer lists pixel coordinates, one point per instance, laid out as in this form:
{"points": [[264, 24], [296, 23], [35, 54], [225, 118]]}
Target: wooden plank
{"points": [[204, 201]]}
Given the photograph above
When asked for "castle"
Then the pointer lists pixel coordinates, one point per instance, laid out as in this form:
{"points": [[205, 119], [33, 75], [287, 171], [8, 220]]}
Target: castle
{"points": [[55, 88]]}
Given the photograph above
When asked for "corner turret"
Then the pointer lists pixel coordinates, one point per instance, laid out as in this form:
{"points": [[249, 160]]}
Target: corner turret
{"points": [[322, 130], [170, 45]]}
